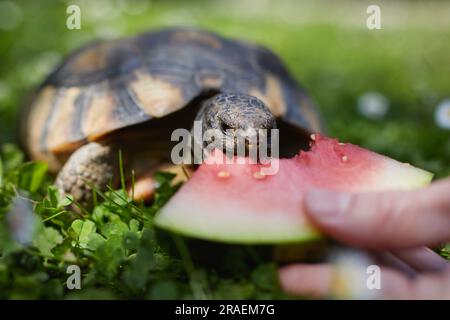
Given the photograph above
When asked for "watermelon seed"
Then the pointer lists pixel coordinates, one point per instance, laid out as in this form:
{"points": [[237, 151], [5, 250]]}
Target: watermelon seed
{"points": [[223, 174], [259, 175], [344, 158], [313, 137]]}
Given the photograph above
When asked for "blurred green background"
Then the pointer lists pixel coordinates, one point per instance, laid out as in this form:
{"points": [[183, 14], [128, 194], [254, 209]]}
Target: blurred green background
{"points": [[325, 44]]}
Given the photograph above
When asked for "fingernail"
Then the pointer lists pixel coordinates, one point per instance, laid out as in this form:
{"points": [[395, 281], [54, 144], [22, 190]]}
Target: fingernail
{"points": [[323, 203]]}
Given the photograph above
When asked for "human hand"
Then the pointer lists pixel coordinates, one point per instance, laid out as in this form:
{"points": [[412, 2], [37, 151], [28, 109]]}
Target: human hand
{"points": [[395, 225]]}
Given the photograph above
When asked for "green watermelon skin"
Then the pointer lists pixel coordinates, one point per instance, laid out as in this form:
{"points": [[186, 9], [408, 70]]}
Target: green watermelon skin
{"points": [[234, 203]]}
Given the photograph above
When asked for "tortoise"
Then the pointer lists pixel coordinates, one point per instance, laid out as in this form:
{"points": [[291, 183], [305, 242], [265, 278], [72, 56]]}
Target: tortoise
{"points": [[131, 93]]}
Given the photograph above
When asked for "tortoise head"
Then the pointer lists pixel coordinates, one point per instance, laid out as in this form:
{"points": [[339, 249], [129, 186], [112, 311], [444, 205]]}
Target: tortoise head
{"points": [[238, 121]]}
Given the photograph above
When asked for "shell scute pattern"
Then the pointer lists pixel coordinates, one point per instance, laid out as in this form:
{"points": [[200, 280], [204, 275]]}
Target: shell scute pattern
{"points": [[110, 85]]}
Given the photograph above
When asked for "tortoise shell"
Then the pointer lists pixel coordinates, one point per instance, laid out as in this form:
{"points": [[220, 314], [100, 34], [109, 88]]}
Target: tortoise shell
{"points": [[111, 85]]}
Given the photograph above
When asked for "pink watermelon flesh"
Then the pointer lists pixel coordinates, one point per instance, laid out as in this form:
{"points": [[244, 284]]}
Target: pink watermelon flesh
{"points": [[234, 203]]}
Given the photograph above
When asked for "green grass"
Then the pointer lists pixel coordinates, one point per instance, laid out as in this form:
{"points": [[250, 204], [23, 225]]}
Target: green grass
{"points": [[119, 252], [328, 49]]}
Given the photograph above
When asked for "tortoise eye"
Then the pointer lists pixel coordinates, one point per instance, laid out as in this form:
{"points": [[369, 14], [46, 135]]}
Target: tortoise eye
{"points": [[224, 126]]}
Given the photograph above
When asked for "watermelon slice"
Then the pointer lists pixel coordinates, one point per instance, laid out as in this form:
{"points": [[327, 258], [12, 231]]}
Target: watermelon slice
{"points": [[235, 203]]}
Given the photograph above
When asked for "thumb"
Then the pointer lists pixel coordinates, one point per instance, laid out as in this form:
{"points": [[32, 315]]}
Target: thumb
{"points": [[383, 220]]}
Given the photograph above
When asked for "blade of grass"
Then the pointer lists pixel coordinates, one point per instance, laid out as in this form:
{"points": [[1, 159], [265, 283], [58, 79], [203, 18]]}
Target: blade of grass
{"points": [[185, 171], [83, 210], [1, 172], [133, 182], [55, 215], [126, 200], [184, 253], [94, 199], [197, 289], [105, 197], [122, 175]]}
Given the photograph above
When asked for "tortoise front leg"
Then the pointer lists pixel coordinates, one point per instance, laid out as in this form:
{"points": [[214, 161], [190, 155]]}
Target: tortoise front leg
{"points": [[145, 185], [91, 165]]}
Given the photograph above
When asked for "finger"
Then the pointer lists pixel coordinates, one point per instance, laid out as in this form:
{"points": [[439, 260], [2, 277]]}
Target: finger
{"points": [[326, 281], [412, 261], [422, 259], [310, 280], [394, 285], [319, 281], [383, 220], [345, 277], [390, 260]]}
